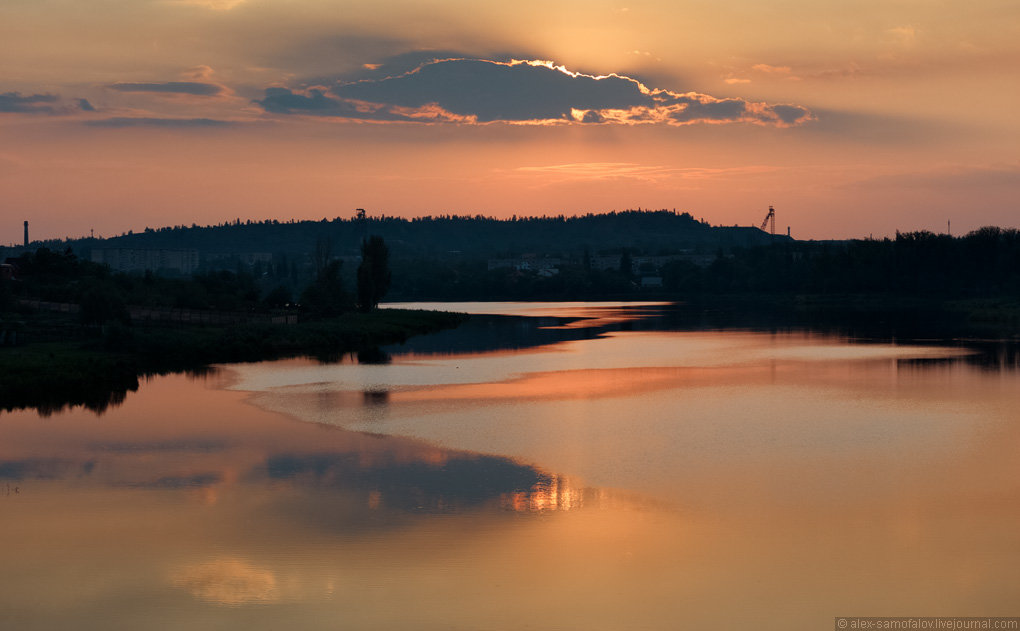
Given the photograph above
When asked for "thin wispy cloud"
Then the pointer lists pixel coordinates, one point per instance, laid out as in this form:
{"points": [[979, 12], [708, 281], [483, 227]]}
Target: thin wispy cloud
{"points": [[480, 91], [903, 35], [961, 176], [630, 170], [599, 171], [769, 72], [190, 88], [149, 121], [198, 73]]}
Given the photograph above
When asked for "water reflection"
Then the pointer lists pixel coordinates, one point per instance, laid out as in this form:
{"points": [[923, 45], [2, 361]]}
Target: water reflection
{"points": [[450, 482], [373, 355], [55, 397], [376, 397], [368, 473], [97, 393], [44, 469], [534, 326], [537, 325], [556, 493], [228, 581], [634, 479], [991, 356], [185, 488]]}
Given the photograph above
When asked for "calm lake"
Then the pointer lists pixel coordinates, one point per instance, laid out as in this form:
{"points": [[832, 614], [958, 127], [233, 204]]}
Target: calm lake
{"points": [[593, 466]]}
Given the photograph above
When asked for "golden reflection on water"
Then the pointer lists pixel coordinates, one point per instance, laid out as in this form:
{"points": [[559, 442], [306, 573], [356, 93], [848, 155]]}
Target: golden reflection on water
{"points": [[228, 581], [559, 493]]}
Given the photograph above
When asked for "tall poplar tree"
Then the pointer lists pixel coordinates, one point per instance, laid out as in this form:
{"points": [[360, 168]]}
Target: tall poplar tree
{"points": [[373, 273]]}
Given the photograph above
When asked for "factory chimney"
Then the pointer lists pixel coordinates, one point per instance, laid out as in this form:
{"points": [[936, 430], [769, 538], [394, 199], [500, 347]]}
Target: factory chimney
{"points": [[26, 234]]}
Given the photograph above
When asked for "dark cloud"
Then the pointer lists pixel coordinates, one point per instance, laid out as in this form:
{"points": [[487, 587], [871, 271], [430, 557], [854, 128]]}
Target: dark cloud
{"points": [[492, 91], [791, 114], [17, 103], [693, 109], [159, 122], [314, 102], [193, 88], [483, 91], [31, 104]]}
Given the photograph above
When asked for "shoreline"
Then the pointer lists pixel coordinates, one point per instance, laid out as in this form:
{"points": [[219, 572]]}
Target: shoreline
{"points": [[67, 367], [66, 364]]}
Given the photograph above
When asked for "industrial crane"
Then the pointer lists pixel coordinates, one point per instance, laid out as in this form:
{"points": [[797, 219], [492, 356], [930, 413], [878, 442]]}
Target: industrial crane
{"points": [[770, 218]]}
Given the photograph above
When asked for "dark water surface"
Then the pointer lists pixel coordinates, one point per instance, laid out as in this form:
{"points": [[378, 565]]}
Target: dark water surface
{"points": [[600, 467]]}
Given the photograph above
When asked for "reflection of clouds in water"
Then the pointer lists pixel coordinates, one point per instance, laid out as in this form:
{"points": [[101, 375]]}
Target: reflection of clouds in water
{"points": [[455, 482], [44, 469], [616, 350], [228, 582]]}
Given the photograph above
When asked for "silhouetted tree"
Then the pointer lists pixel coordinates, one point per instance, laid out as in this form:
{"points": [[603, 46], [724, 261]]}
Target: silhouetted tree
{"points": [[326, 295], [373, 273], [101, 302], [278, 296], [626, 263], [323, 254]]}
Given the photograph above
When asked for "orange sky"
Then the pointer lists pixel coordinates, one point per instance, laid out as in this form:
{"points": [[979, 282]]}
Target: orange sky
{"points": [[851, 118]]}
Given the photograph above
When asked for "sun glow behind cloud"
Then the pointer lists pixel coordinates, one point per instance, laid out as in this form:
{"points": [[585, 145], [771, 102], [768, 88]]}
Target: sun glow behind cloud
{"points": [[215, 5], [522, 92]]}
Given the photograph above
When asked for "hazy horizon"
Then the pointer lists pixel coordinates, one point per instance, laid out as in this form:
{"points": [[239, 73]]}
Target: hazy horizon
{"points": [[34, 238]]}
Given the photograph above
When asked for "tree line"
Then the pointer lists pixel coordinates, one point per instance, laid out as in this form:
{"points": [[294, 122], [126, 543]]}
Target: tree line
{"points": [[104, 295], [983, 263]]}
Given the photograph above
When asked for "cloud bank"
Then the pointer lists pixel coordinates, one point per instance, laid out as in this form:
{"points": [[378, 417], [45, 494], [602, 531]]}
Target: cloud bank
{"points": [[478, 91]]}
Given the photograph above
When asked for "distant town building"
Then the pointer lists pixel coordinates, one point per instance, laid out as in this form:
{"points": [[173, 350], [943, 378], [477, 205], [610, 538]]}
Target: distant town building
{"points": [[542, 266], [643, 263], [246, 258], [139, 260]]}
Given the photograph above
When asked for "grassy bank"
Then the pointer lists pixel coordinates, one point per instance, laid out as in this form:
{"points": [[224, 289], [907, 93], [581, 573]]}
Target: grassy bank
{"points": [[61, 363]]}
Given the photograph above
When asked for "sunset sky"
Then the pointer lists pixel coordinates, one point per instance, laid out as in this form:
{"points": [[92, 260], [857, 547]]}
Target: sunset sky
{"points": [[851, 118]]}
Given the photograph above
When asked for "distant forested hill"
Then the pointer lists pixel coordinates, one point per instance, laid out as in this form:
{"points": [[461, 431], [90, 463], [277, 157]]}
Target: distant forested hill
{"points": [[651, 232]]}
